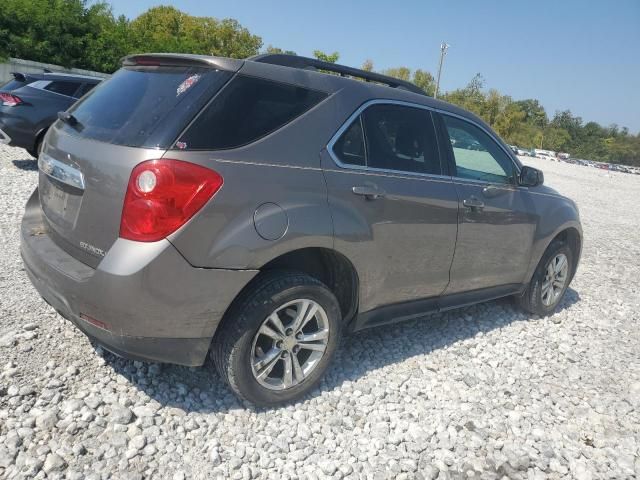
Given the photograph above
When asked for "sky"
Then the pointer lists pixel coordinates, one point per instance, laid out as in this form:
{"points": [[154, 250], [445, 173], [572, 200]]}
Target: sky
{"points": [[569, 54]]}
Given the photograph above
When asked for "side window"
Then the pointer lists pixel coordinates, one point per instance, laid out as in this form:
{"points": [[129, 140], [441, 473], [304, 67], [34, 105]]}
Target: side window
{"points": [[62, 87], [401, 138], [247, 109], [350, 146], [85, 88], [476, 154]]}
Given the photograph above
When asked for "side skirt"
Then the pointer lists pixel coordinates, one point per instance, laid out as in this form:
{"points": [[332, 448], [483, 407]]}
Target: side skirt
{"points": [[400, 312]]}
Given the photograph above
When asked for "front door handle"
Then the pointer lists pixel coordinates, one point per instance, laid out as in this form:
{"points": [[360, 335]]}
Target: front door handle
{"points": [[473, 203], [370, 193]]}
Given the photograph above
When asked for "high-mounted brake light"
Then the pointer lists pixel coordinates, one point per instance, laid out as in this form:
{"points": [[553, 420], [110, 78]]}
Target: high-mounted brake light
{"points": [[10, 100], [162, 195]]}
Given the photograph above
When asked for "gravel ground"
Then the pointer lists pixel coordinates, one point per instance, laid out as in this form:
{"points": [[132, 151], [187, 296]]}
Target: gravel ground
{"points": [[483, 392]]}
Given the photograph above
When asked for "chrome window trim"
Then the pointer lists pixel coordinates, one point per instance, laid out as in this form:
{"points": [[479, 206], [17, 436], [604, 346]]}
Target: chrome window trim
{"points": [[364, 168], [403, 103], [61, 171]]}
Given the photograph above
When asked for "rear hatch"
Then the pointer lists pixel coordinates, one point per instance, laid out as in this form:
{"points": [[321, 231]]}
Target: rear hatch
{"points": [[88, 157]]}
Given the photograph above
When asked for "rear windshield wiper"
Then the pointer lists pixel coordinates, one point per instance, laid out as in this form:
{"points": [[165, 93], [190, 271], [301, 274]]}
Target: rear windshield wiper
{"points": [[68, 118]]}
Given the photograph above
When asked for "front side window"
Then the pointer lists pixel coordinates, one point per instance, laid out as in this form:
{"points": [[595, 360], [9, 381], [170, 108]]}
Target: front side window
{"points": [[62, 87], [477, 156], [247, 109], [398, 138]]}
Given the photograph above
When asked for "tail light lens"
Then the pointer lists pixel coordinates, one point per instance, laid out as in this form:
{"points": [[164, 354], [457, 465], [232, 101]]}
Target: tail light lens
{"points": [[162, 195], [10, 100]]}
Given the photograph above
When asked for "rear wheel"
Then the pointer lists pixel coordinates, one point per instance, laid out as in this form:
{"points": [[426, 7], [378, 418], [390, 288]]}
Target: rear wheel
{"points": [[550, 280], [37, 148], [278, 339]]}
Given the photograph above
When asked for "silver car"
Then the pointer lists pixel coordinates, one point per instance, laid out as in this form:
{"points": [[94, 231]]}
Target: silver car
{"points": [[257, 210]]}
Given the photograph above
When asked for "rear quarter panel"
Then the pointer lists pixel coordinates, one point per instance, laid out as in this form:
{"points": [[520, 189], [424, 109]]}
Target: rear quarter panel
{"points": [[282, 168]]}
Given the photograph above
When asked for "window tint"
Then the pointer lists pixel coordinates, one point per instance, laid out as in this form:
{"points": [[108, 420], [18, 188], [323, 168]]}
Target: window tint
{"points": [[350, 146], [145, 106], [62, 87], [401, 138], [246, 110], [85, 88], [477, 155]]}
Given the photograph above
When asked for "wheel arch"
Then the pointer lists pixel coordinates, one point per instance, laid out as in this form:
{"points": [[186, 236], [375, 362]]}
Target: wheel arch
{"points": [[570, 233], [330, 267]]}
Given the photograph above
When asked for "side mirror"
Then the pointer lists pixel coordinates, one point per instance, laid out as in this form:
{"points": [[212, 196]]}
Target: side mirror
{"points": [[530, 177]]}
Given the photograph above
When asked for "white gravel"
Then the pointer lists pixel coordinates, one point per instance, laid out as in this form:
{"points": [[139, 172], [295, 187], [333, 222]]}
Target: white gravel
{"points": [[483, 392]]}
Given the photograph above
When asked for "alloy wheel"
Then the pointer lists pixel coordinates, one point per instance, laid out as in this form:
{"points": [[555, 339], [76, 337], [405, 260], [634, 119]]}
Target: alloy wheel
{"points": [[555, 279], [289, 344]]}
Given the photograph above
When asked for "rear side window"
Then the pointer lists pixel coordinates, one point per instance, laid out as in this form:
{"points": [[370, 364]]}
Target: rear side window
{"points": [[145, 106], [350, 146], [84, 89], [246, 110], [62, 87], [398, 138]]}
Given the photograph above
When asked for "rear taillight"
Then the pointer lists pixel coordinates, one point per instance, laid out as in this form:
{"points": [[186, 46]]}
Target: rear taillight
{"points": [[10, 100], [162, 195]]}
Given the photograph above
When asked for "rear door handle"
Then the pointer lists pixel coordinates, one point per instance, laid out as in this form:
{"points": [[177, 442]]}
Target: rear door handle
{"points": [[370, 193], [473, 203]]}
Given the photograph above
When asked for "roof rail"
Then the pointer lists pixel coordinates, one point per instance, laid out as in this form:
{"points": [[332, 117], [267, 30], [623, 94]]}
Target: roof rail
{"points": [[295, 61]]}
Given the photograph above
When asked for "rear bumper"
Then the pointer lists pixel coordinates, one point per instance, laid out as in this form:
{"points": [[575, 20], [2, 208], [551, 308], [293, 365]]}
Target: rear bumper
{"points": [[144, 301]]}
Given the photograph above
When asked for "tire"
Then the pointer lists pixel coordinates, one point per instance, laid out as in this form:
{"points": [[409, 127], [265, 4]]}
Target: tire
{"points": [[533, 298], [240, 344], [37, 148]]}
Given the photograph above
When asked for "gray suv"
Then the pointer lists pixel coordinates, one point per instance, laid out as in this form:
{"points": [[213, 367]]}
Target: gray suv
{"points": [[257, 210]]}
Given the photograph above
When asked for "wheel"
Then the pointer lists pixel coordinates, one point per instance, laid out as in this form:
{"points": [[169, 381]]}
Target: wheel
{"points": [[35, 152], [549, 282], [278, 339]]}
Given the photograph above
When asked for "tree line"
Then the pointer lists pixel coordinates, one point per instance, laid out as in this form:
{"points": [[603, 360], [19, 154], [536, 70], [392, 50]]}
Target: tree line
{"points": [[82, 34]]}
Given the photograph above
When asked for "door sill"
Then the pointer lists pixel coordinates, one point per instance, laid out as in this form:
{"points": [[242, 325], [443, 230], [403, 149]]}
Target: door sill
{"points": [[405, 311]]}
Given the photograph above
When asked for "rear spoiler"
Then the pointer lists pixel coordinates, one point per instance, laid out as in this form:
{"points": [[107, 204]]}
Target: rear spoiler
{"points": [[181, 60], [19, 76]]}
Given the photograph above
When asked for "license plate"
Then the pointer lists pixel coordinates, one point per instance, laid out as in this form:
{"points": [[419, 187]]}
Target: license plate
{"points": [[59, 205]]}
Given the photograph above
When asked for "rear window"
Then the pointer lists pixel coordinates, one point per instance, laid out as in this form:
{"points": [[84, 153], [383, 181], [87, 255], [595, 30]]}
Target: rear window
{"points": [[247, 109], [145, 106], [13, 85]]}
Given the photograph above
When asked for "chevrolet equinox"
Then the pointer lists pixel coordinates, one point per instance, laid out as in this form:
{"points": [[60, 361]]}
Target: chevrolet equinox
{"points": [[257, 210]]}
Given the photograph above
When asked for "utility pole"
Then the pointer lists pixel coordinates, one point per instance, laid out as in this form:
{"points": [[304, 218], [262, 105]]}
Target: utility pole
{"points": [[443, 52]]}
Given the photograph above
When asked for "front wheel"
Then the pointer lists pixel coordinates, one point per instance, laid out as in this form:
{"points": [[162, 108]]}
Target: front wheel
{"points": [[278, 338], [550, 280]]}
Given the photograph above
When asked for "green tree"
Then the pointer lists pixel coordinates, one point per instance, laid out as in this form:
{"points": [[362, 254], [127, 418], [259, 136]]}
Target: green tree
{"points": [[367, 66], [326, 57], [272, 49], [167, 29], [402, 73], [62, 32], [425, 81]]}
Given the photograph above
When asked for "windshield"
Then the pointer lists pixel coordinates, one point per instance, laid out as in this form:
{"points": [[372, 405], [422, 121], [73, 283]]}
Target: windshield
{"points": [[145, 106]]}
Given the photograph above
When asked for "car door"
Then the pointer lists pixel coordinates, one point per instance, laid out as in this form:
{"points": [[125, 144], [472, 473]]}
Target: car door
{"points": [[497, 218], [394, 211]]}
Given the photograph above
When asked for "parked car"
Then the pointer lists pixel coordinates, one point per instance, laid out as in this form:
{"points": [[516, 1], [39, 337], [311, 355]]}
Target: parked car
{"points": [[257, 210], [29, 104]]}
